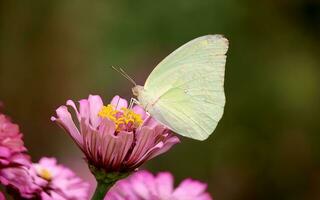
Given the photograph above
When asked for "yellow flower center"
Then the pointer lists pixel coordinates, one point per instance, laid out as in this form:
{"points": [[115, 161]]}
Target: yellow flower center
{"points": [[124, 119], [45, 174]]}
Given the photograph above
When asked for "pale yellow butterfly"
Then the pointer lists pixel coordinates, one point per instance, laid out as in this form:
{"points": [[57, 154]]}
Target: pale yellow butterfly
{"points": [[185, 91]]}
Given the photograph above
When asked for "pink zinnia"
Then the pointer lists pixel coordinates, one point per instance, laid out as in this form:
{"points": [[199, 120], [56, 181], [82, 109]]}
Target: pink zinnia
{"points": [[143, 185], [59, 182], [12, 150], [46, 180], [14, 162], [114, 138]]}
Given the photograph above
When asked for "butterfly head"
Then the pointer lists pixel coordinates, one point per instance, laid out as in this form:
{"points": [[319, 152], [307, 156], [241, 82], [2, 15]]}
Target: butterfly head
{"points": [[137, 90], [144, 98]]}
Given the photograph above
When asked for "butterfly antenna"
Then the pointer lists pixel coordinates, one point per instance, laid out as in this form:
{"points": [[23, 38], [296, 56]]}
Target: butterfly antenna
{"points": [[125, 75]]}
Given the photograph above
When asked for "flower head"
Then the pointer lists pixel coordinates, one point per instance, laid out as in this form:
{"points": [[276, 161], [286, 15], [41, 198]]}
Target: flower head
{"points": [[45, 180], [59, 182], [114, 137], [12, 150], [143, 185], [14, 162]]}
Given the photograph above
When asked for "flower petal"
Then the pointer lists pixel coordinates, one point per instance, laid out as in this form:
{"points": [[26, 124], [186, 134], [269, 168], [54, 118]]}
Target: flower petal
{"points": [[119, 102], [144, 142], [95, 105], [164, 182], [143, 184], [73, 105], [65, 121], [126, 141], [20, 179], [189, 189], [139, 110], [167, 144]]}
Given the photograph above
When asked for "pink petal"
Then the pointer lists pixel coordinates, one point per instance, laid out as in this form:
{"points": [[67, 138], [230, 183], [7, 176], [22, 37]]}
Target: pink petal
{"points": [[122, 191], [48, 162], [166, 146], [126, 140], [106, 127], [114, 148], [21, 159], [91, 145], [119, 103], [139, 110], [65, 121], [20, 178], [84, 110], [151, 122], [164, 182], [145, 141], [4, 152], [73, 105], [189, 189], [149, 145], [148, 154], [204, 196], [143, 184], [95, 105]]}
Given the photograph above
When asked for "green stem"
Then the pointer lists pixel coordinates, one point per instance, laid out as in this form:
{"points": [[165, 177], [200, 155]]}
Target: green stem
{"points": [[101, 190], [105, 180]]}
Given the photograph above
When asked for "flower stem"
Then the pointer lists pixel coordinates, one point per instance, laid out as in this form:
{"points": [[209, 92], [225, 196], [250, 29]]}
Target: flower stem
{"points": [[105, 180], [101, 190]]}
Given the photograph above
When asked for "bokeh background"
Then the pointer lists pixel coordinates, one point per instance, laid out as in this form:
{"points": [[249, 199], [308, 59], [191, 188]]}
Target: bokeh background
{"points": [[267, 146]]}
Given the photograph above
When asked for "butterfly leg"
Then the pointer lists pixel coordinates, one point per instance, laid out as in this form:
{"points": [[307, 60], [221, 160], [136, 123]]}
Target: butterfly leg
{"points": [[132, 102]]}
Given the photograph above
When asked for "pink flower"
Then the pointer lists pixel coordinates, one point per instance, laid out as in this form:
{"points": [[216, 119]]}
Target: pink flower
{"points": [[113, 137], [14, 162], [59, 182], [46, 180], [12, 150], [143, 185]]}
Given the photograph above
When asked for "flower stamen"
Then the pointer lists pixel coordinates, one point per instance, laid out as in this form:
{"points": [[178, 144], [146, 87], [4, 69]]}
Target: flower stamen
{"points": [[124, 119], [45, 174]]}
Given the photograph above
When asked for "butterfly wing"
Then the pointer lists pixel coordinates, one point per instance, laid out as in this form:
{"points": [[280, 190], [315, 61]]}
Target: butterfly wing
{"points": [[188, 87]]}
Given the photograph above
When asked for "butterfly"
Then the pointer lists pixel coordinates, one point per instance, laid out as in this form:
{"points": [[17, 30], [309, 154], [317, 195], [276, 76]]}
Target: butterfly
{"points": [[185, 91]]}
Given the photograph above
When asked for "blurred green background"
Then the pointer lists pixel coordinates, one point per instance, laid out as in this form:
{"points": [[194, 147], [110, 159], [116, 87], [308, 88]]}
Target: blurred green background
{"points": [[267, 146]]}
